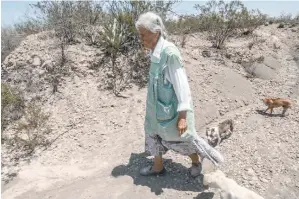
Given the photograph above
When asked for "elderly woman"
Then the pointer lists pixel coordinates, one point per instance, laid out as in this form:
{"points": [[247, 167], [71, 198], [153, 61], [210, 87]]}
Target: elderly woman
{"points": [[169, 121]]}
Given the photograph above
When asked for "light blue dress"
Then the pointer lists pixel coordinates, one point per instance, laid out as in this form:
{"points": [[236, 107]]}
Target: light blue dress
{"points": [[161, 118]]}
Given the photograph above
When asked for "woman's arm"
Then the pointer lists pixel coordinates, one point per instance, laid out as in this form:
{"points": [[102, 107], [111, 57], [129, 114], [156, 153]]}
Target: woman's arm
{"points": [[176, 75]]}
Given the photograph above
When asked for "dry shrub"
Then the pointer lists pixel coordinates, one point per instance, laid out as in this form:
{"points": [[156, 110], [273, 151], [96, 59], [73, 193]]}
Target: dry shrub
{"points": [[32, 131], [119, 39], [10, 40], [226, 19], [251, 21], [12, 106], [69, 18]]}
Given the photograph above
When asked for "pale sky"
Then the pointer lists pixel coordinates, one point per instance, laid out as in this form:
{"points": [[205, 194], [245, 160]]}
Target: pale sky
{"points": [[14, 11]]}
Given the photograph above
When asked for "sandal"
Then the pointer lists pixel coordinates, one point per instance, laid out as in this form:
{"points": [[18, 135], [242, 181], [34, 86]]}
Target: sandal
{"points": [[147, 171]]}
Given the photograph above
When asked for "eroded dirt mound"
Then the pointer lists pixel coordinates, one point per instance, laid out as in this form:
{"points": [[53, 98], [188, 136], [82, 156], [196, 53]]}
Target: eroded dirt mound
{"points": [[99, 139]]}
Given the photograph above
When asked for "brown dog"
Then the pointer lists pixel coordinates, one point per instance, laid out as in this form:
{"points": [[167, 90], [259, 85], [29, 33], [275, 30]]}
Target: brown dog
{"points": [[277, 102]]}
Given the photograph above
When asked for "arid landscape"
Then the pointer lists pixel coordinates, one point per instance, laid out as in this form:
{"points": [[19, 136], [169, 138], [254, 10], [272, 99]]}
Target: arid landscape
{"points": [[90, 142]]}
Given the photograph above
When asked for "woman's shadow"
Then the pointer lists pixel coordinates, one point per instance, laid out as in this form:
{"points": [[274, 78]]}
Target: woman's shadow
{"points": [[176, 177]]}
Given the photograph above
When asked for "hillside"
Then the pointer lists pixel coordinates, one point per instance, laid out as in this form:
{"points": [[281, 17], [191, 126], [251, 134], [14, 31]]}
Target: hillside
{"points": [[97, 139]]}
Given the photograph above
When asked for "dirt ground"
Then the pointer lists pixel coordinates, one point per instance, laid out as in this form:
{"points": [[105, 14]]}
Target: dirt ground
{"points": [[99, 140]]}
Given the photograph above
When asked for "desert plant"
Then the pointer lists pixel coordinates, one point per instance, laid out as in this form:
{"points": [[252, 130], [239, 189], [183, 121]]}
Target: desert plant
{"points": [[284, 18], [33, 130], [29, 26], [251, 20], [119, 38], [225, 19], [12, 105], [68, 18], [222, 19], [281, 25], [10, 40]]}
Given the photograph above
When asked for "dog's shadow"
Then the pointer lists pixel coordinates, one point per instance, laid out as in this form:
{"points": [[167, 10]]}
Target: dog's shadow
{"points": [[205, 195], [262, 112], [176, 177]]}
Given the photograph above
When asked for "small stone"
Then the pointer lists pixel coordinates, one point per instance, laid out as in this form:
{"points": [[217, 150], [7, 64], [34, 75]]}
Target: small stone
{"points": [[264, 180], [250, 171], [36, 61], [251, 182], [206, 53]]}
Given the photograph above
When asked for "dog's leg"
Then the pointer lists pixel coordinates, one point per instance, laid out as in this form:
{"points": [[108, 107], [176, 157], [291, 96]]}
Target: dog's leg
{"points": [[266, 110], [284, 110], [224, 195], [271, 110]]}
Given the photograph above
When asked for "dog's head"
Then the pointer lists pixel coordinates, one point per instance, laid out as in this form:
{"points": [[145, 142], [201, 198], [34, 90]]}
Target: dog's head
{"points": [[212, 135], [213, 179], [212, 131], [267, 101]]}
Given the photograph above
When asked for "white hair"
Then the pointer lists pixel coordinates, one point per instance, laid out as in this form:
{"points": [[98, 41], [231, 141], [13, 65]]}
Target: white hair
{"points": [[151, 22]]}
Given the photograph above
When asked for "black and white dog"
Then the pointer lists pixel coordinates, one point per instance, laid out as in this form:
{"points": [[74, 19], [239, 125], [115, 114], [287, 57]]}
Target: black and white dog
{"points": [[216, 135]]}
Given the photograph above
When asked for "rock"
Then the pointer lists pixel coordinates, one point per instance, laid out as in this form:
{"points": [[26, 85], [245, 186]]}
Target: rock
{"points": [[48, 66], [259, 70], [266, 24], [194, 54], [36, 61], [264, 180], [28, 59], [20, 63], [206, 53], [228, 55]]}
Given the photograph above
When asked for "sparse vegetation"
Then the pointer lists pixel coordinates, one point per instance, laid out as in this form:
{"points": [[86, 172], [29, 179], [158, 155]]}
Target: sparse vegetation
{"points": [[69, 18], [12, 106], [32, 130], [225, 19], [10, 39], [119, 38]]}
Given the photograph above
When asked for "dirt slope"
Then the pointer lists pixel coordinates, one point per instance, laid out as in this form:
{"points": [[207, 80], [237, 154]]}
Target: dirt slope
{"points": [[100, 140]]}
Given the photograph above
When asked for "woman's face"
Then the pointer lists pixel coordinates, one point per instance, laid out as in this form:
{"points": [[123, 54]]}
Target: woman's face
{"points": [[148, 38]]}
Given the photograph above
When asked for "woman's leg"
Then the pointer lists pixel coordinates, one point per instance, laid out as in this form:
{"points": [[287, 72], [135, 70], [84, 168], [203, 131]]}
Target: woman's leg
{"points": [[155, 148], [158, 163], [194, 158], [196, 167]]}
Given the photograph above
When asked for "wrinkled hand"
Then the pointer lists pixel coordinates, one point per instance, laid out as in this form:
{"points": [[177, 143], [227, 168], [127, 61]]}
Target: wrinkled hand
{"points": [[182, 123]]}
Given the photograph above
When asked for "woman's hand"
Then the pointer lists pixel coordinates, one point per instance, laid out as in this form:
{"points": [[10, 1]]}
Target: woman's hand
{"points": [[182, 123]]}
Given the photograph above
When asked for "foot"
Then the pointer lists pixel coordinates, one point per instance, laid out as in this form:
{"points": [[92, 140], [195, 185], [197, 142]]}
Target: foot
{"points": [[148, 171], [195, 169]]}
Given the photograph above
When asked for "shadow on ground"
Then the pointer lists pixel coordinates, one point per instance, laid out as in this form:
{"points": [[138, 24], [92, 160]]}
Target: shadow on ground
{"points": [[177, 176], [262, 112], [205, 195]]}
